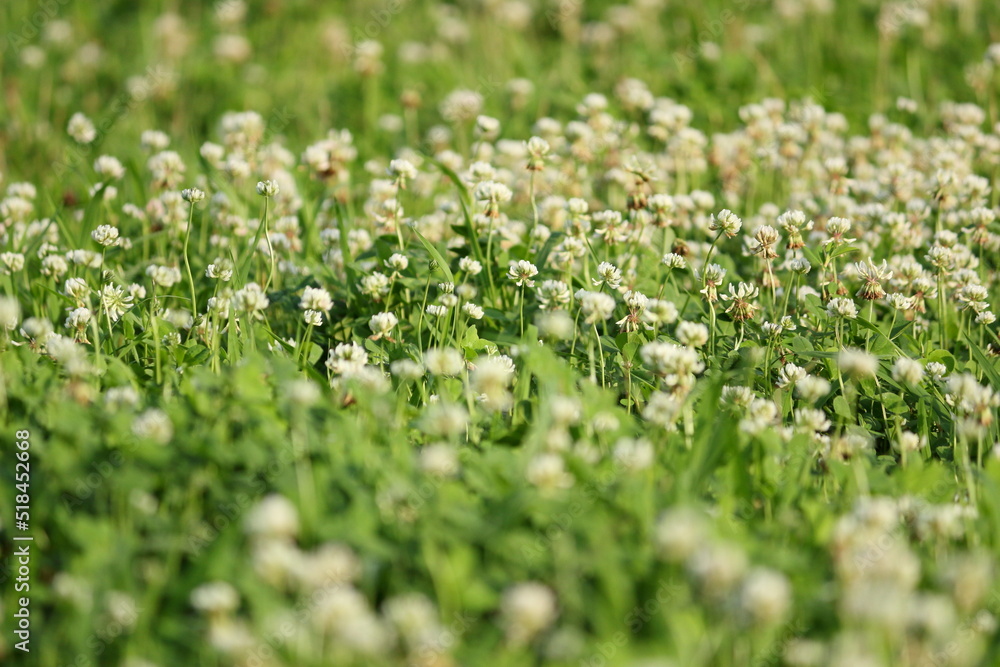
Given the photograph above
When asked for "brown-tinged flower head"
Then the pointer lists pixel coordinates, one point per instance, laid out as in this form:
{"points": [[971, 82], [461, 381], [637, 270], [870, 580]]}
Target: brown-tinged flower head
{"points": [[764, 240], [538, 149], [711, 278], [740, 298], [492, 194], [873, 275], [794, 223], [661, 206], [727, 222]]}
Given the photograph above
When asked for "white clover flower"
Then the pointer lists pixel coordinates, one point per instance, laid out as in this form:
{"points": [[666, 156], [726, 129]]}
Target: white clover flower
{"points": [[105, 235], [740, 297], [837, 228], [737, 396], [406, 369], [487, 127], [537, 148], [799, 265], [125, 396], [936, 371], [251, 299], [692, 334], [842, 308], [154, 140], [492, 194], [109, 168], [437, 310], [908, 371], [219, 271], [873, 275], [521, 273], [268, 188], [712, 278], [444, 420], [54, 266], [192, 195], [10, 313], [273, 518], [633, 454], [461, 105], [79, 319], [678, 534], [490, 379], [397, 262], [163, 276], [381, 324], [974, 297], [526, 610], [315, 298], [38, 329], [596, 306], [608, 274], [402, 171], [375, 285], [439, 460], [765, 596], [553, 294], [313, 318], [76, 288], [677, 365], [153, 425], [473, 311], [763, 242], [857, 363], [555, 324], [717, 568], [115, 301], [444, 361], [790, 374], [900, 301], [909, 442], [346, 359], [215, 598], [660, 311], [302, 391], [167, 169], [663, 409], [470, 266], [81, 129], [809, 419], [11, 262], [548, 472], [727, 222], [674, 261], [811, 388]]}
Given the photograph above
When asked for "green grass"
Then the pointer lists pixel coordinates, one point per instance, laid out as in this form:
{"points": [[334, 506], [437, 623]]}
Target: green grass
{"points": [[537, 475]]}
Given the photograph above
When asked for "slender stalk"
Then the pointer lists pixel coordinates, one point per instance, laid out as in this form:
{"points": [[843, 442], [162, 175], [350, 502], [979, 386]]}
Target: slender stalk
{"points": [[270, 248], [187, 261], [600, 353], [156, 335]]}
